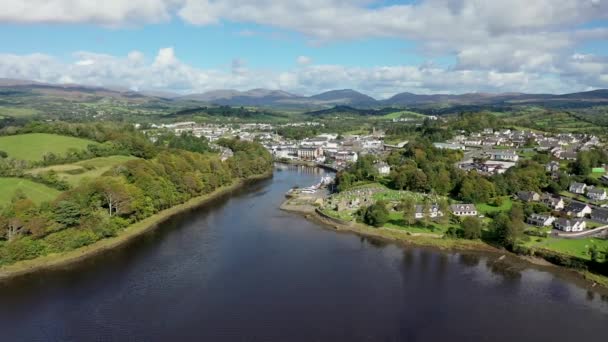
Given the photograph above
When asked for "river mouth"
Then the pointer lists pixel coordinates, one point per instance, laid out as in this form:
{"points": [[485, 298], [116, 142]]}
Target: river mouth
{"points": [[239, 268]]}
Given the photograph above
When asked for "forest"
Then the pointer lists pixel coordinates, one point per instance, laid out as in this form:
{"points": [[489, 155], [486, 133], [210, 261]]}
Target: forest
{"points": [[163, 176]]}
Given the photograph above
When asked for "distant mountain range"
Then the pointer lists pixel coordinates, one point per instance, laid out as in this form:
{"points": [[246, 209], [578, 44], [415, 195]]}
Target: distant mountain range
{"points": [[284, 100], [349, 97]]}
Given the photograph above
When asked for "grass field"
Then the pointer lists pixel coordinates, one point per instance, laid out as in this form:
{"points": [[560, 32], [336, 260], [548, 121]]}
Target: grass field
{"points": [[396, 222], [34, 191], [404, 113], [34, 146], [484, 208], [17, 112], [577, 248], [92, 168]]}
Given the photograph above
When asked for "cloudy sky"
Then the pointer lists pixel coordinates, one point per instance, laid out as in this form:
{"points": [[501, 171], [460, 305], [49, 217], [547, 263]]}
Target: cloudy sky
{"points": [[307, 46]]}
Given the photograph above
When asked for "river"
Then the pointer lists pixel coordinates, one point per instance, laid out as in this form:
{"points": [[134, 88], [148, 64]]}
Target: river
{"points": [[239, 269]]}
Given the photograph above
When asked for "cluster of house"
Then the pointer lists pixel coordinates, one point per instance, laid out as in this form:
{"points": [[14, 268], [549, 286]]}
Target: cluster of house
{"points": [[329, 150], [572, 215], [592, 192], [489, 138], [434, 211], [213, 132]]}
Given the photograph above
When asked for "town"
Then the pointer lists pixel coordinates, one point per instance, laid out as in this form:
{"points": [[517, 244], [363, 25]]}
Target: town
{"points": [[578, 211]]}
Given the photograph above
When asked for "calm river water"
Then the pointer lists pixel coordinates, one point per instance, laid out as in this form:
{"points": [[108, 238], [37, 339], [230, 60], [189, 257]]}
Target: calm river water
{"points": [[240, 269]]}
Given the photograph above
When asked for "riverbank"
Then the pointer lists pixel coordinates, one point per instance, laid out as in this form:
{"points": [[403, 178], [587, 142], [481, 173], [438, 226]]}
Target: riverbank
{"points": [[589, 279], [417, 239], [133, 231]]}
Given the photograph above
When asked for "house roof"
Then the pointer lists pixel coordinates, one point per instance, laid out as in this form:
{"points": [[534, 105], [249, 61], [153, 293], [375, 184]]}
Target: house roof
{"points": [[600, 213], [598, 191], [463, 207], [567, 222], [576, 206]]}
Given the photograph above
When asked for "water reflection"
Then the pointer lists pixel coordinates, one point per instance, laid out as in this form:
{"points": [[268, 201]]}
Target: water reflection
{"points": [[470, 260], [241, 270]]}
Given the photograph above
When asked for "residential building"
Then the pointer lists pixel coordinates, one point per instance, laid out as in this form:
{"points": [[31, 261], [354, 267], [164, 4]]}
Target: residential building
{"points": [[528, 196], [552, 166], [383, 168], [504, 155], [464, 209], [596, 194], [578, 188], [433, 211], [553, 202], [567, 225], [600, 215], [577, 209], [540, 220]]}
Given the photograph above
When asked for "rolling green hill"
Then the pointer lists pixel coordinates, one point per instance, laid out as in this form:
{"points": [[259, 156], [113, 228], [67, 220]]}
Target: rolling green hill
{"points": [[35, 145], [34, 191], [92, 168]]}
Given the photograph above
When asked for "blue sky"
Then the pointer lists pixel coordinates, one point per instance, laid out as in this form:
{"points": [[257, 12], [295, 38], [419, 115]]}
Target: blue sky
{"points": [[380, 47]]}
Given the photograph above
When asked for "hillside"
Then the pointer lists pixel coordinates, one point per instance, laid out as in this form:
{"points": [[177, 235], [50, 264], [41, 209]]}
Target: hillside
{"points": [[34, 146], [37, 192]]}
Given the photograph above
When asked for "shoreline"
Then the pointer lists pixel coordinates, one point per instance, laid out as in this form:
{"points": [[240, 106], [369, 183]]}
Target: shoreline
{"points": [[583, 277], [58, 260]]}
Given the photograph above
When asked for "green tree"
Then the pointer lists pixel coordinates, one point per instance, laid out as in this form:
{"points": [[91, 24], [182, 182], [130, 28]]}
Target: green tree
{"points": [[376, 214], [408, 207], [471, 227], [444, 208], [67, 213]]}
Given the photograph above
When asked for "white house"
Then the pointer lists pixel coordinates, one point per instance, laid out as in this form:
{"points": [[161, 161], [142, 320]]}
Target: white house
{"points": [[570, 225], [433, 211], [596, 194], [578, 209], [578, 188], [383, 168], [504, 155], [464, 209], [540, 220]]}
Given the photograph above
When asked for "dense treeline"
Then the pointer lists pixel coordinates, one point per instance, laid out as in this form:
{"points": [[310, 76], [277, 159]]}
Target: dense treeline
{"points": [[185, 141], [102, 207]]}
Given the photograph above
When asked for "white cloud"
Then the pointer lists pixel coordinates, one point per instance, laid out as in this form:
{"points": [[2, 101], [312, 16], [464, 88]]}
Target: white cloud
{"points": [[106, 12], [303, 60], [165, 71]]}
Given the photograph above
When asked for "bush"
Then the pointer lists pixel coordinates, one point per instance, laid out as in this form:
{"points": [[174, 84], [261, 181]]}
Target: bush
{"points": [[21, 249], [69, 239]]}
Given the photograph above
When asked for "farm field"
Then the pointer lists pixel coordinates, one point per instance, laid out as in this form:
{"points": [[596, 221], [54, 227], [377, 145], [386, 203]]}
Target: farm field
{"points": [[34, 191], [92, 168], [34, 146]]}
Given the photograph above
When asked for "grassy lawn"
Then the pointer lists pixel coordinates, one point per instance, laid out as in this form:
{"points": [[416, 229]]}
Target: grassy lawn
{"points": [[92, 168], [33, 146], [484, 208], [34, 191], [572, 247], [396, 222]]}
